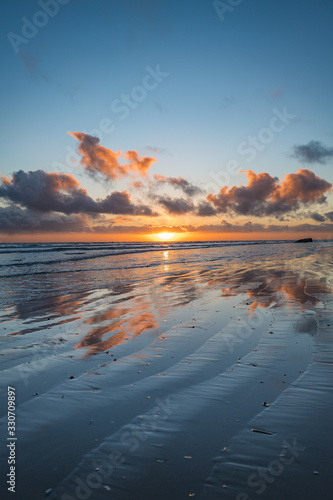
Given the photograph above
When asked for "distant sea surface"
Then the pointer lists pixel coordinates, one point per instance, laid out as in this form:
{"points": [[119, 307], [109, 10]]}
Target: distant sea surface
{"points": [[33, 269]]}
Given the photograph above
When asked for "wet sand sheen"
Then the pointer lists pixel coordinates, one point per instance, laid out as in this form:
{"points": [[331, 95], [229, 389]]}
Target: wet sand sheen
{"points": [[197, 354]]}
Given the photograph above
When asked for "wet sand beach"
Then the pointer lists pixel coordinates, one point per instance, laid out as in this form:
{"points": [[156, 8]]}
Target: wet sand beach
{"points": [[208, 375]]}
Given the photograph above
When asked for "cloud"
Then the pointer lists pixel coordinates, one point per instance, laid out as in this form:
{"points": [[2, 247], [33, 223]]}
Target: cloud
{"points": [[46, 192], [227, 227], [138, 185], [142, 164], [250, 227], [155, 149], [120, 203], [317, 217], [175, 206], [179, 183], [14, 219], [53, 192], [144, 229], [33, 66], [98, 160], [302, 228], [205, 209], [313, 152], [329, 215], [265, 196]]}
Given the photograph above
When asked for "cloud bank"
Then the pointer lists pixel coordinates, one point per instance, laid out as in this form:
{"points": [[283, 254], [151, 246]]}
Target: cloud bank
{"points": [[15, 220], [53, 192], [265, 196]]}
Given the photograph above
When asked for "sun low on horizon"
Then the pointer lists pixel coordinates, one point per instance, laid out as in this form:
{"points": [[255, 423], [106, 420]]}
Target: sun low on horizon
{"points": [[166, 236]]}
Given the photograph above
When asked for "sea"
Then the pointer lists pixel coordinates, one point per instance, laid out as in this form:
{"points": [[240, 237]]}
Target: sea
{"points": [[33, 268]]}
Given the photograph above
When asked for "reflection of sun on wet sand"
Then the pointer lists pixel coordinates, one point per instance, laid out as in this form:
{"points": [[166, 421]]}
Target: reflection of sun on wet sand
{"points": [[221, 366]]}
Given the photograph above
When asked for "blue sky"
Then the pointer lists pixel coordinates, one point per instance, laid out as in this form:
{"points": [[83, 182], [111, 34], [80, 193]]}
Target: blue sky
{"points": [[225, 79]]}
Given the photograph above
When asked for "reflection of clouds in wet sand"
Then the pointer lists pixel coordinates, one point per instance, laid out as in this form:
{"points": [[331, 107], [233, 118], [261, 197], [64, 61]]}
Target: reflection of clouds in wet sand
{"points": [[275, 288], [127, 310], [58, 310], [263, 286], [122, 324]]}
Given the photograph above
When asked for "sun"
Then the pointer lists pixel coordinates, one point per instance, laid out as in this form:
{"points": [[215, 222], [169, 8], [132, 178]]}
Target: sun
{"points": [[165, 236]]}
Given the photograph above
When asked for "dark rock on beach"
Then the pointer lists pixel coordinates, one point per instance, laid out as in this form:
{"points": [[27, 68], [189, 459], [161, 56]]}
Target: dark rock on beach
{"points": [[304, 240]]}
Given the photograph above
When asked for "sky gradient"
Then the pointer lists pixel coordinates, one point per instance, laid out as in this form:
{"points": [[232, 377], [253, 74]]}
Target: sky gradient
{"points": [[122, 120]]}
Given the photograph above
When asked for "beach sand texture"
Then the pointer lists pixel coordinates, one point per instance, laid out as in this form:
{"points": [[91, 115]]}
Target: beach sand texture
{"points": [[208, 375]]}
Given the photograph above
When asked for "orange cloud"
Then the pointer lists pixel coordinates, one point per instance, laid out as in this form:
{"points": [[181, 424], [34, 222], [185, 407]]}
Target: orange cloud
{"points": [[142, 165], [265, 196], [99, 160]]}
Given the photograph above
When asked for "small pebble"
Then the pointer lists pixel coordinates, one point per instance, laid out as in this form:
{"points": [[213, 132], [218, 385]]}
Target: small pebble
{"points": [[47, 492], [265, 404], [72, 376], [315, 472]]}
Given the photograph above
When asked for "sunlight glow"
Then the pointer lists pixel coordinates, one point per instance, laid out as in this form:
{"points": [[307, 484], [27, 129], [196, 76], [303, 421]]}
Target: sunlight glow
{"points": [[165, 236]]}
